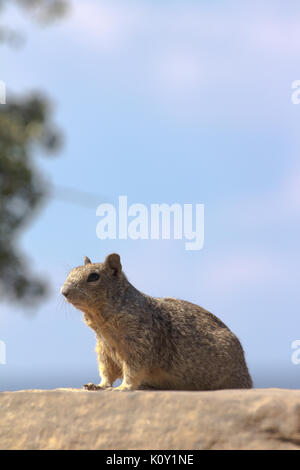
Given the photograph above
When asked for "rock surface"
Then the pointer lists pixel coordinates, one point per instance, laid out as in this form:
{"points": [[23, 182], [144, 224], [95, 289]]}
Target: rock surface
{"points": [[78, 419]]}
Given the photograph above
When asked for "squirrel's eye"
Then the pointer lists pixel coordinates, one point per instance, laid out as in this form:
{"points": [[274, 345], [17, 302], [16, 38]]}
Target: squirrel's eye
{"points": [[93, 277]]}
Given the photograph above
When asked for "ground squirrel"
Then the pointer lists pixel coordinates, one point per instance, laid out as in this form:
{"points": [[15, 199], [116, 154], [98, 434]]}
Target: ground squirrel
{"points": [[152, 343]]}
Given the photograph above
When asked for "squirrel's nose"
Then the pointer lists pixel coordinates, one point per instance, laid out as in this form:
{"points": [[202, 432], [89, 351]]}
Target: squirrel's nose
{"points": [[65, 291]]}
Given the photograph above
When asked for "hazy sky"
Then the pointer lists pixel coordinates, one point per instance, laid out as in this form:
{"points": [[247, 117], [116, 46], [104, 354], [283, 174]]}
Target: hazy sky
{"points": [[167, 102]]}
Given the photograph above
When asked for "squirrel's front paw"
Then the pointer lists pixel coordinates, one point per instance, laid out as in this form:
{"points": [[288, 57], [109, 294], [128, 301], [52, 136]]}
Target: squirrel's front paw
{"points": [[124, 388], [92, 387]]}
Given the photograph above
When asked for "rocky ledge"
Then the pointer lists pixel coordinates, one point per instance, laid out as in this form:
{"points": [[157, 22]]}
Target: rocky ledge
{"points": [[78, 419]]}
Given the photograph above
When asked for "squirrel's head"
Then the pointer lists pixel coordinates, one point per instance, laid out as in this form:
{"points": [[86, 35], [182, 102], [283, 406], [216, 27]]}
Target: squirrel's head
{"points": [[90, 285]]}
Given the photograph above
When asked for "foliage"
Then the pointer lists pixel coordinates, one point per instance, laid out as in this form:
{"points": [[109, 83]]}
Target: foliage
{"points": [[25, 127]]}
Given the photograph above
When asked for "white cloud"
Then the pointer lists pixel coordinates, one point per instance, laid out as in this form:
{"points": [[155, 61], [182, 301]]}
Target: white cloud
{"points": [[180, 70], [193, 59], [278, 36], [239, 271], [279, 206], [107, 26]]}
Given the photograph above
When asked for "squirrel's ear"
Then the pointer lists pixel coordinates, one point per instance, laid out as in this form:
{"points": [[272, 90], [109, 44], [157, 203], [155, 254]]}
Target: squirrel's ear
{"points": [[87, 260], [113, 262]]}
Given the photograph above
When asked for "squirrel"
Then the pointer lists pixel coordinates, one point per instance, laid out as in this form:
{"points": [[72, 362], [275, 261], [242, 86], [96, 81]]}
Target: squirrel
{"points": [[149, 342]]}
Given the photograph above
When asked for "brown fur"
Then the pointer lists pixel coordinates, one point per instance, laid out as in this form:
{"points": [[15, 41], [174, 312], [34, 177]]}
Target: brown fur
{"points": [[153, 342]]}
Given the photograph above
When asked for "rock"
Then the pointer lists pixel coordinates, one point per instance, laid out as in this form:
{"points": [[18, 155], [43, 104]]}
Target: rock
{"points": [[78, 419]]}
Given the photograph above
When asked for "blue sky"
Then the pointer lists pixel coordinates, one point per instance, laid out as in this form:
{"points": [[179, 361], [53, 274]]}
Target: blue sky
{"points": [[186, 102]]}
